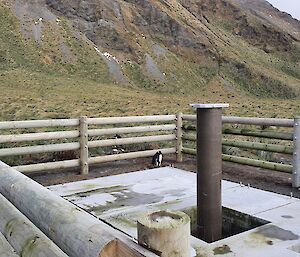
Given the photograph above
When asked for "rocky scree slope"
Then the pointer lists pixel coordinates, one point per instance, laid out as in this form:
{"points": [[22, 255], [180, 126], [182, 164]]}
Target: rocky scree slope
{"points": [[172, 46]]}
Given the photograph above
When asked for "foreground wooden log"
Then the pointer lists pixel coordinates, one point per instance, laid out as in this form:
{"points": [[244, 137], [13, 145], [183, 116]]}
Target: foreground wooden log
{"points": [[76, 232], [23, 235], [6, 249], [165, 232]]}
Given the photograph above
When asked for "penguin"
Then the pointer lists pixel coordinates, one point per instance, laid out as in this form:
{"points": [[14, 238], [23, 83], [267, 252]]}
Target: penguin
{"points": [[157, 159], [120, 148]]}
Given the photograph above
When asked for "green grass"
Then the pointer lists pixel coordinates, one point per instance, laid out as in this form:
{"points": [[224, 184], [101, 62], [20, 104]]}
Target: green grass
{"points": [[28, 95], [37, 82], [257, 84]]}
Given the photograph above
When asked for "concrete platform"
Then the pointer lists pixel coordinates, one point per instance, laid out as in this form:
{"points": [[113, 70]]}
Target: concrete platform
{"points": [[120, 199]]}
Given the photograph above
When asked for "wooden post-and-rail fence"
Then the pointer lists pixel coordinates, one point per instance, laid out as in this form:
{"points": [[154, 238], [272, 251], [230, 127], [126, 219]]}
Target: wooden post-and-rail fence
{"points": [[83, 145], [293, 137], [176, 127]]}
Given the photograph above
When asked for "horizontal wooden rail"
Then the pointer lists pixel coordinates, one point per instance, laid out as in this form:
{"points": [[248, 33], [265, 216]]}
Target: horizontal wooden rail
{"points": [[189, 117], [39, 149], [258, 163], [259, 146], [47, 166], [127, 130], [39, 136], [189, 151], [39, 123], [127, 156], [250, 121], [76, 145], [250, 145], [250, 133], [259, 121], [93, 160], [130, 140], [259, 133], [247, 161], [130, 119]]}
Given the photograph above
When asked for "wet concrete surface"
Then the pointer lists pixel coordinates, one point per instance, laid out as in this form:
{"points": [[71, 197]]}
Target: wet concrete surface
{"points": [[119, 200]]}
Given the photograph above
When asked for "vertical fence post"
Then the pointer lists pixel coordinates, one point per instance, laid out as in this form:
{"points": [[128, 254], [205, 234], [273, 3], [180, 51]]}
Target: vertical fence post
{"points": [[84, 151], [179, 137], [296, 153]]}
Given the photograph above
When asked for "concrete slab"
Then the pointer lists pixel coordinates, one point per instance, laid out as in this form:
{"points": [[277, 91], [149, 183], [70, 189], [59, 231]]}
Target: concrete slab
{"points": [[120, 199]]}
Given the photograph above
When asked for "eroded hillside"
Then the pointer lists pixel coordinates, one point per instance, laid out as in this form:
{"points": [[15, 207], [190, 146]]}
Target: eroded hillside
{"points": [[208, 49]]}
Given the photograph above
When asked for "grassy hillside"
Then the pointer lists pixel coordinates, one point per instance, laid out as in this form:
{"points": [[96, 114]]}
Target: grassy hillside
{"points": [[51, 69]]}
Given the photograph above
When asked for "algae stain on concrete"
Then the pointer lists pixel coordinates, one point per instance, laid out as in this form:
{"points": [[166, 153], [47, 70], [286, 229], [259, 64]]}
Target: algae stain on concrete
{"points": [[224, 249], [126, 222], [272, 231], [287, 216], [126, 198], [203, 252], [89, 189]]}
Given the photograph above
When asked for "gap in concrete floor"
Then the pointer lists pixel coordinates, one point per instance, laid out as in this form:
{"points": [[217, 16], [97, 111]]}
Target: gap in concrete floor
{"points": [[234, 222]]}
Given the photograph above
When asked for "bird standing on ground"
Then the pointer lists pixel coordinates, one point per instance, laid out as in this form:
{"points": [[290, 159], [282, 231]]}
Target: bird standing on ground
{"points": [[118, 149], [157, 159]]}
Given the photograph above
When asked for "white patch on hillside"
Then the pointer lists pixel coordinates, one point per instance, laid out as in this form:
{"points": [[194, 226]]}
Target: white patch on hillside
{"points": [[113, 65], [107, 55]]}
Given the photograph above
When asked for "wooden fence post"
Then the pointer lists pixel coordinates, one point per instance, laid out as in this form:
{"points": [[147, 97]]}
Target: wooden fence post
{"points": [[296, 154], [84, 151], [179, 137]]}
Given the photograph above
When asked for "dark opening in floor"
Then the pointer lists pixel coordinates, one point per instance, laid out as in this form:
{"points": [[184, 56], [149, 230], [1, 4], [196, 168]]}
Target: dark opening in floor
{"points": [[234, 222]]}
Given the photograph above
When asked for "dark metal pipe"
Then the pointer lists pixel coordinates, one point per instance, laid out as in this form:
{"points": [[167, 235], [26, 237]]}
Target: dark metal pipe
{"points": [[209, 173]]}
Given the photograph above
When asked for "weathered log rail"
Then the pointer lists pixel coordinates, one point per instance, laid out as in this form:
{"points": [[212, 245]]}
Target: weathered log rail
{"points": [[251, 133], [250, 145], [247, 161], [176, 128], [250, 121]]}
